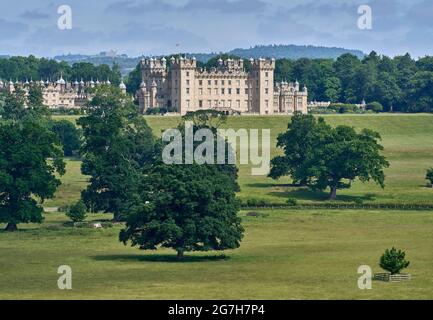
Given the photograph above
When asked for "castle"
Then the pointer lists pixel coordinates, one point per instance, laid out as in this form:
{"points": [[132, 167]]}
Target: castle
{"points": [[180, 85], [59, 94]]}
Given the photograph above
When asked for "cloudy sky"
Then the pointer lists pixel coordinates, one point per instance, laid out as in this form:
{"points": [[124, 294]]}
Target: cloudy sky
{"points": [[156, 27]]}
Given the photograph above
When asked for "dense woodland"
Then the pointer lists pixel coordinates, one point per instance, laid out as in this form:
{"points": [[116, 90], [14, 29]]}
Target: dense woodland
{"points": [[400, 84], [27, 68]]}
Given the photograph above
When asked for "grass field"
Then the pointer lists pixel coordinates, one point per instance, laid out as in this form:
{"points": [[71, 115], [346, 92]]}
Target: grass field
{"points": [[286, 255], [408, 142]]}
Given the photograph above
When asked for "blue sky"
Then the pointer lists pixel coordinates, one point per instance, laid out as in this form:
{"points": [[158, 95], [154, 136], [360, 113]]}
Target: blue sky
{"points": [[154, 27]]}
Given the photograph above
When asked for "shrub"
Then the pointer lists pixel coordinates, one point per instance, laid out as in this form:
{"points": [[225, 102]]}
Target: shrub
{"points": [[257, 203], [429, 176], [77, 212], [292, 202], [375, 107], [393, 261], [343, 107], [106, 225]]}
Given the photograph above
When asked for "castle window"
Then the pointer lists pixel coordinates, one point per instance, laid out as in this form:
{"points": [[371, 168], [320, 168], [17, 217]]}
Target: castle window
{"points": [[230, 82], [200, 103], [187, 90], [230, 103], [267, 82], [209, 82], [187, 104], [216, 103], [187, 73], [238, 82], [246, 91], [200, 82], [222, 91], [238, 91], [187, 82], [266, 91], [200, 91], [209, 103], [267, 74], [223, 103], [216, 82], [222, 82], [216, 91]]}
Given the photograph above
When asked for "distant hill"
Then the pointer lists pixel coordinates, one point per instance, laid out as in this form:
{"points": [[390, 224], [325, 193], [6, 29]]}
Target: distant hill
{"points": [[127, 64], [293, 52]]}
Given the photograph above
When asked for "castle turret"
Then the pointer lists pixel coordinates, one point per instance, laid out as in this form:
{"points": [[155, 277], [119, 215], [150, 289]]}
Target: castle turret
{"points": [[143, 98], [122, 87], [11, 86]]}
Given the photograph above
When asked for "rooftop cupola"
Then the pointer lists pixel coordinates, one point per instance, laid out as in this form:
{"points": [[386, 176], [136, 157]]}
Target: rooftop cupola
{"points": [[122, 86]]}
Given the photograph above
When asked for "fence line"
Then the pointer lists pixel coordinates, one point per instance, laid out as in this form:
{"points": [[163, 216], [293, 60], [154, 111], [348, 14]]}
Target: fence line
{"points": [[344, 206]]}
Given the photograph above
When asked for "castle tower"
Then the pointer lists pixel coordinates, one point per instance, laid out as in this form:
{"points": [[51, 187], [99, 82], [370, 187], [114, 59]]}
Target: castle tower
{"points": [[183, 84], [143, 98], [262, 86], [154, 71], [153, 95]]}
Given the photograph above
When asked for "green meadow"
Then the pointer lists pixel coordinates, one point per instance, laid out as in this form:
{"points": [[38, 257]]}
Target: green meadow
{"points": [[407, 139], [286, 254]]}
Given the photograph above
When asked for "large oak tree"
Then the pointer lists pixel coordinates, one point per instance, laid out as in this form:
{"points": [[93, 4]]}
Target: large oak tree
{"points": [[29, 160], [324, 157], [187, 207]]}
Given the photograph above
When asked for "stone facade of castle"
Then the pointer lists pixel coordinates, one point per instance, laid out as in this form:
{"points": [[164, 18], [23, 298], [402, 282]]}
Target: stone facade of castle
{"points": [[180, 85], [60, 93]]}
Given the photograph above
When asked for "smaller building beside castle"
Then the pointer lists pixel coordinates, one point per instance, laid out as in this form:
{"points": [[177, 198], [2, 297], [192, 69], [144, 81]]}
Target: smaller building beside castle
{"points": [[180, 85], [59, 94]]}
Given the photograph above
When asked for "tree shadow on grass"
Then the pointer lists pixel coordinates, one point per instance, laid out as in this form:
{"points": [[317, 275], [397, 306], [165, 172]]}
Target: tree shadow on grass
{"points": [[170, 258], [319, 195], [272, 185]]}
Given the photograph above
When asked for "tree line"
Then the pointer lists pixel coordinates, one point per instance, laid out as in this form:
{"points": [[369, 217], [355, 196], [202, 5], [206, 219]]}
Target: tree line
{"points": [[400, 84], [27, 68]]}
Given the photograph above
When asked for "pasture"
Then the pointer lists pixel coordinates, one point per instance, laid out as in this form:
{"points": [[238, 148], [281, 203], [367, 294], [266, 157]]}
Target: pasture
{"points": [[286, 254], [408, 142]]}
